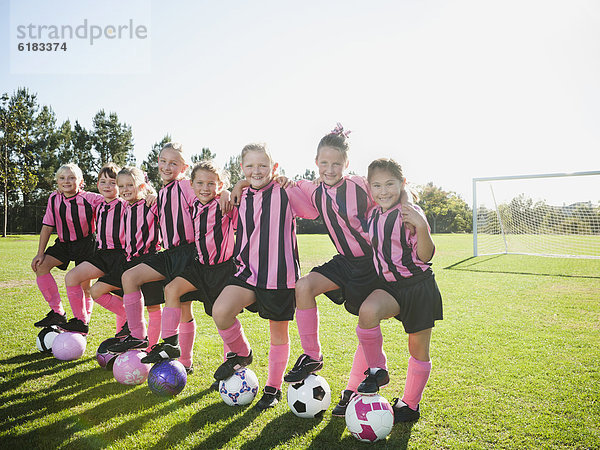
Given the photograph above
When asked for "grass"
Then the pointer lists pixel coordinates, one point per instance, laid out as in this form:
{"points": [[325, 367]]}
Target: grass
{"points": [[515, 365]]}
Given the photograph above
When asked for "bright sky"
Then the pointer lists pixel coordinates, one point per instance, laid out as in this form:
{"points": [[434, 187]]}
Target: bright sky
{"points": [[451, 89]]}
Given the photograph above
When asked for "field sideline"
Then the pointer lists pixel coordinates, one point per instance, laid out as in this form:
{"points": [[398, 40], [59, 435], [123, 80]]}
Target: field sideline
{"points": [[516, 364]]}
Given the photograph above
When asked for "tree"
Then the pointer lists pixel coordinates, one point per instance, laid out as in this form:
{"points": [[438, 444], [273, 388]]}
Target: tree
{"points": [[112, 141], [446, 212], [150, 164], [17, 119], [309, 175], [234, 167], [205, 155]]}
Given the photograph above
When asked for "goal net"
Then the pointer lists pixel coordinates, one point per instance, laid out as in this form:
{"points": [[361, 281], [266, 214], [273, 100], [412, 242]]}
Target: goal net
{"points": [[549, 215]]}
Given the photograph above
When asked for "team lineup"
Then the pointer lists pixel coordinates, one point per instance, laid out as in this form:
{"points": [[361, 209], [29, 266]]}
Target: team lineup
{"points": [[235, 251]]}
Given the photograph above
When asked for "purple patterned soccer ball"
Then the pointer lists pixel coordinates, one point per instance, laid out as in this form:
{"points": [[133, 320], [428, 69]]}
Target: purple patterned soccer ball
{"points": [[240, 388], [129, 369], [68, 346], [369, 418], [167, 378], [104, 358]]}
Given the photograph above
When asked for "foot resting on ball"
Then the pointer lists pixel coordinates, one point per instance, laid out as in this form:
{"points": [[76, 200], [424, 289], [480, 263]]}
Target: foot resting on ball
{"points": [[305, 365], [52, 318], [376, 378], [161, 352], [129, 343], [270, 398], [233, 363], [75, 325]]}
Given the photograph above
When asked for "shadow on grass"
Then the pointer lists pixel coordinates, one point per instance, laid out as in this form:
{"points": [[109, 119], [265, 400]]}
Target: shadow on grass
{"points": [[280, 430], [466, 266]]}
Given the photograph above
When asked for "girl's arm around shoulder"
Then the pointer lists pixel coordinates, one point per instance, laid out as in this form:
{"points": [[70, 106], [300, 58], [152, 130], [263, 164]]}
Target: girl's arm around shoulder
{"points": [[301, 204], [414, 216], [93, 198]]}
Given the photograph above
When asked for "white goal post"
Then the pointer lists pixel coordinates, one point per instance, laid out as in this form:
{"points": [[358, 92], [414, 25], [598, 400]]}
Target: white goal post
{"points": [[555, 214]]}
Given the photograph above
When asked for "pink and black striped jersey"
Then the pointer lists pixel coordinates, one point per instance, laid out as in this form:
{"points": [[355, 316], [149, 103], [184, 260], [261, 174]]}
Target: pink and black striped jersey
{"points": [[344, 208], [394, 247], [175, 201], [73, 216], [141, 229], [265, 247], [215, 232], [110, 231]]}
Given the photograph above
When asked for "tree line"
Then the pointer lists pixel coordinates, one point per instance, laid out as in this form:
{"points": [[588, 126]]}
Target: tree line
{"points": [[34, 145]]}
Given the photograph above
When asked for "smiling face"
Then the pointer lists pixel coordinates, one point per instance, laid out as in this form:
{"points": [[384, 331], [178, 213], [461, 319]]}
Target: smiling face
{"points": [[331, 163], [128, 189], [206, 185], [257, 168], [67, 182], [170, 165], [386, 188], [107, 186]]}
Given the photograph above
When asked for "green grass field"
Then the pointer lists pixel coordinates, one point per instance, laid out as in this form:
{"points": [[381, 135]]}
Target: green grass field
{"points": [[515, 365]]}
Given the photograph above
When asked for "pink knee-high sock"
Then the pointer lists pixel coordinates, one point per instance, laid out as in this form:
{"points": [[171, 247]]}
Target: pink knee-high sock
{"points": [[134, 308], [359, 365], [49, 290], [170, 321], [417, 375], [89, 305], [114, 304], [187, 335], [120, 321], [154, 326], [308, 329], [76, 300], [235, 339], [278, 359], [371, 340]]}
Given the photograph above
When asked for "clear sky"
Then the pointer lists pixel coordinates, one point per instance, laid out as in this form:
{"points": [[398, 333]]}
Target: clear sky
{"points": [[450, 89]]}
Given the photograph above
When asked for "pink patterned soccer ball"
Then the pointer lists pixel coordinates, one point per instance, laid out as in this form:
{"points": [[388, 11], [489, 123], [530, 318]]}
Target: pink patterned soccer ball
{"points": [[68, 346], [369, 418], [129, 369]]}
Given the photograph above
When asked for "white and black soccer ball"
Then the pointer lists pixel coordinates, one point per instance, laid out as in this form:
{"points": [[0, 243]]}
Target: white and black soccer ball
{"points": [[240, 388], [45, 338], [310, 397], [369, 418]]}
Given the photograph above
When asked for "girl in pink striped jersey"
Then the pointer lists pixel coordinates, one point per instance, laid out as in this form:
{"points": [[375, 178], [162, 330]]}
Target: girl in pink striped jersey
{"points": [[110, 248], [207, 274], [71, 212], [267, 256], [139, 227], [408, 292]]}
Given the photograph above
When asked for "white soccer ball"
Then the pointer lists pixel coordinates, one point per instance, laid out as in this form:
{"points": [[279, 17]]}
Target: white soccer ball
{"points": [[310, 397], [369, 418], [240, 388], [44, 339]]}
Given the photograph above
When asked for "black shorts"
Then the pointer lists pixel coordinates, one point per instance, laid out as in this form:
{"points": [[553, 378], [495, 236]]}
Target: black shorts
{"points": [[272, 304], [77, 251], [209, 281], [356, 278], [420, 302], [172, 262], [153, 292], [110, 262]]}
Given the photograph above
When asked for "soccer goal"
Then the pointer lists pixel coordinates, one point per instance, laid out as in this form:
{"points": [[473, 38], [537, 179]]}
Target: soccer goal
{"points": [[549, 214]]}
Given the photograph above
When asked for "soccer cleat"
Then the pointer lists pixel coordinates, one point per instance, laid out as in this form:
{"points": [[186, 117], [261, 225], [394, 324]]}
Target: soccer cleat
{"points": [[371, 384], [75, 325], [233, 363], [189, 370], [123, 332], [340, 409], [304, 366], [129, 343], [270, 398], [161, 352], [215, 385], [52, 318], [403, 413]]}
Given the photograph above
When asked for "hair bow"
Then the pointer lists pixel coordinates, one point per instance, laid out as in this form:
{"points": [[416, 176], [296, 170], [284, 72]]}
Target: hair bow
{"points": [[339, 130]]}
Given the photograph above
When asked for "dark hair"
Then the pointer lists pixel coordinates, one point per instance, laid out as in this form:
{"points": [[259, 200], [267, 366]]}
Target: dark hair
{"points": [[338, 139], [391, 166], [109, 170], [209, 166]]}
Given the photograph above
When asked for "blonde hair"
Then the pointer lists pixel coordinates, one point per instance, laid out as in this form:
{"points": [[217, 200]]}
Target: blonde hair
{"points": [[209, 166], [76, 171], [139, 178], [257, 147], [176, 147]]}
